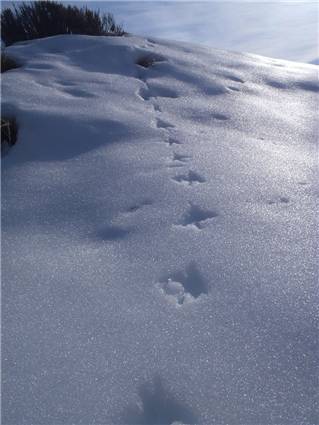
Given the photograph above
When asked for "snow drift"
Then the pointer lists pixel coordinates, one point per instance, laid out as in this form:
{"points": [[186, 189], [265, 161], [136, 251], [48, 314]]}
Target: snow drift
{"points": [[159, 235]]}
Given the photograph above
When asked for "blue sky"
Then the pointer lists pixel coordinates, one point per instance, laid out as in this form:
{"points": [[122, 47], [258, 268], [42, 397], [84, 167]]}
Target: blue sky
{"points": [[280, 29], [286, 30]]}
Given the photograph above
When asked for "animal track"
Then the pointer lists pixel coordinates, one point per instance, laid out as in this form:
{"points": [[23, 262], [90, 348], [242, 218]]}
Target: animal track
{"points": [[144, 93], [277, 84], [282, 200], [39, 67], [309, 86], [220, 117], [135, 207], [185, 286], [65, 83], [157, 406], [191, 178], [180, 157], [147, 92], [196, 216], [113, 233], [179, 160], [233, 88], [164, 92], [77, 92], [163, 124], [234, 78], [172, 141], [149, 60], [304, 85]]}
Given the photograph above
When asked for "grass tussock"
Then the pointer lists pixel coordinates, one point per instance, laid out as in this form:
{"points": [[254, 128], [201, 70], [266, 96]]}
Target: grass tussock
{"points": [[7, 63], [9, 133], [39, 19]]}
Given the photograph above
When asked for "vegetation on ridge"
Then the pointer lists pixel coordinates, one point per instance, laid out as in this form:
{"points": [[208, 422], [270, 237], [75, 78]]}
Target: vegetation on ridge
{"points": [[7, 63], [9, 133], [41, 18]]}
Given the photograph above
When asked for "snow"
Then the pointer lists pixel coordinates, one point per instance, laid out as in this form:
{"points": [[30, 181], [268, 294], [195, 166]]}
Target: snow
{"points": [[159, 235]]}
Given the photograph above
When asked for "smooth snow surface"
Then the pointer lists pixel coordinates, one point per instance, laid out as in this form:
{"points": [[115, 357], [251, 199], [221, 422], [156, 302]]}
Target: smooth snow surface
{"points": [[159, 236]]}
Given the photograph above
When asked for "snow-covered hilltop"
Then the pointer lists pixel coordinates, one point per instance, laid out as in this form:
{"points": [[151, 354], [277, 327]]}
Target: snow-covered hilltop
{"points": [[159, 235]]}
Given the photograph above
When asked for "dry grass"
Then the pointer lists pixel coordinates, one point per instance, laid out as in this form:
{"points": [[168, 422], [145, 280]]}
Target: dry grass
{"points": [[45, 18], [7, 63], [9, 133]]}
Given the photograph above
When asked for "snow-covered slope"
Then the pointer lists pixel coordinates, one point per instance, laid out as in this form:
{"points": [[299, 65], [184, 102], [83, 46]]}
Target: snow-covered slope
{"points": [[159, 236]]}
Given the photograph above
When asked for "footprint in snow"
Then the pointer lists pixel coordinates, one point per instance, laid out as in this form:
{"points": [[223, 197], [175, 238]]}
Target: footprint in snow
{"points": [[191, 178], [151, 42], [233, 88], [185, 286], [235, 78], [181, 157], [156, 406], [277, 84], [281, 200], [74, 92], [148, 92], [164, 92], [39, 67], [65, 83], [148, 60], [312, 86], [143, 93], [138, 206], [157, 108], [113, 233], [220, 117], [172, 141], [163, 124], [197, 217], [179, 160]]}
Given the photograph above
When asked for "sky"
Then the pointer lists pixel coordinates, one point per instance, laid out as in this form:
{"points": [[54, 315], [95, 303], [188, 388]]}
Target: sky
{"points": [[285, 30]]}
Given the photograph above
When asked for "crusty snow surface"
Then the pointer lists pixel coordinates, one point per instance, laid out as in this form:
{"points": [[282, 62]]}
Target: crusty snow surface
{"points": [[158, 236]]}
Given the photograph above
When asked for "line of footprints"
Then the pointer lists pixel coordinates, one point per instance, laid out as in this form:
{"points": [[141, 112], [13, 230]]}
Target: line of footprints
{"points": [[185, 286]]}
